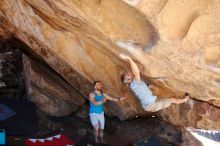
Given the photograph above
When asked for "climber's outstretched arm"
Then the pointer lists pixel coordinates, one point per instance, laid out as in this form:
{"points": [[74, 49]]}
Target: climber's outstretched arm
{"points": [[134, 67], [113, 99]]}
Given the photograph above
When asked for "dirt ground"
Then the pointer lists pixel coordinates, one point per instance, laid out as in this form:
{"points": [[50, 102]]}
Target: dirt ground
{"points": [[117, 133]]}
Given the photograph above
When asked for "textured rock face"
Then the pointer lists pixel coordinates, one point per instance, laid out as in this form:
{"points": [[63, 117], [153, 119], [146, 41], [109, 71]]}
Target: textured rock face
{"points": [[50, 93], [175, 41], [192, 114], [11, 79], [189, 33], [4, 34]]}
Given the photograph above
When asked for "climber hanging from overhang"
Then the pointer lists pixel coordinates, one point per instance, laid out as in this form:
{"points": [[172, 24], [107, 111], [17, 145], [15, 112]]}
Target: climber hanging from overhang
{"points": [[148, 101]]}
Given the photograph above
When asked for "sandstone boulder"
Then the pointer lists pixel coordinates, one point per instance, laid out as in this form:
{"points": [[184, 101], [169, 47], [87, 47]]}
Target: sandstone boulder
{"points": [[175, 44], [48, 91]]}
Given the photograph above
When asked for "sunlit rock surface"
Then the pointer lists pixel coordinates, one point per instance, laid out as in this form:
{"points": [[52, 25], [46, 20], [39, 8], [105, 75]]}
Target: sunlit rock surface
{"points": [[175, 43]]}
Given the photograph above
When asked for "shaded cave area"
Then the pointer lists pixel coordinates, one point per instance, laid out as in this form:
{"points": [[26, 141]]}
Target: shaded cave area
{"points": [[59, 108]]}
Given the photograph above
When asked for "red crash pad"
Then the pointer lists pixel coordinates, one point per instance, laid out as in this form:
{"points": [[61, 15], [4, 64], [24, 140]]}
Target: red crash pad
{"points": [[57, 140]]}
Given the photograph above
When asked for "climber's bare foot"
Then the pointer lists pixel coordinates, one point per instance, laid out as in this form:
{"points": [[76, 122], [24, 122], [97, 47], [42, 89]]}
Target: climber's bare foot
{"points": [[179, 101], [186, 98]]}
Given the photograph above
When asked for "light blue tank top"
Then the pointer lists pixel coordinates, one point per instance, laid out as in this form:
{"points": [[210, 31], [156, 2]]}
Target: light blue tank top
{"points": [[98, 109], [143, 92]]}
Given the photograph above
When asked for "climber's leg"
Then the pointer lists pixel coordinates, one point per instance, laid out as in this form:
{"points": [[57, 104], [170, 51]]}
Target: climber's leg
{"points": [[159, 105], [179, 101], [164, 103], [102, 126]]}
